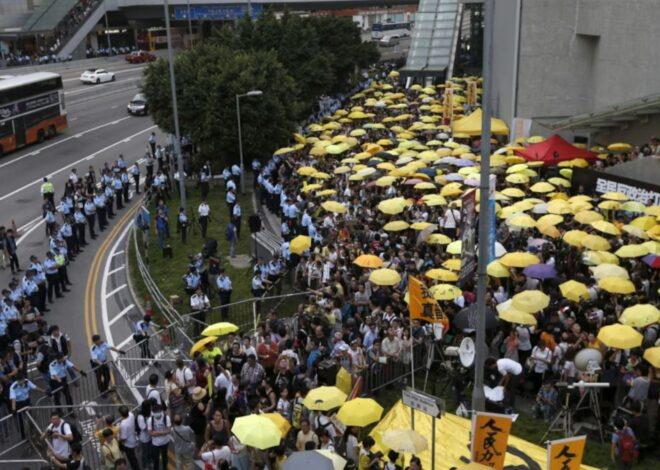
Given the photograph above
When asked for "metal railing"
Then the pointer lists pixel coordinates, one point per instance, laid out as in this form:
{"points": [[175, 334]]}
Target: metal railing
{"points": [[379, 376]]}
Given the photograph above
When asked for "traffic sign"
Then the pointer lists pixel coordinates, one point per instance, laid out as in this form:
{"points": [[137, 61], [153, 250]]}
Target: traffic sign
{"points": [[423, 402]]}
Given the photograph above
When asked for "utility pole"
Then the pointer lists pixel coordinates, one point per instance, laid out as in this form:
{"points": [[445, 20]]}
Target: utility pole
{"points": [[107, 28], [190, 34], [175, 110], [478, 395]]}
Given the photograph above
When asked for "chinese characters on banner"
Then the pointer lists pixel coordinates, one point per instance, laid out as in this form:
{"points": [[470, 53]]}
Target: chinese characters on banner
{"points": [[490, 437], [645, 196], [566, 454], [448, 103], [472, 92], [421, 304], [468, 236], [587, 181]]}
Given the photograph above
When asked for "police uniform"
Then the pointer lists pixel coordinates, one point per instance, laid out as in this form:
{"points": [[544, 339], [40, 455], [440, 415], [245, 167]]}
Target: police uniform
{"points": [[224, 289], [58, 380], [182, 221], [52, 278], [100, 203], [90, 215], [99, 358], [135, 171], [203, 211], [141, 336]]}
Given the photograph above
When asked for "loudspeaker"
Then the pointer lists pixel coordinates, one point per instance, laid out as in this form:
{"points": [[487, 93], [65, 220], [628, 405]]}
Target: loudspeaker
{"points": [[254, 221], [327, 372], [210, 248]]}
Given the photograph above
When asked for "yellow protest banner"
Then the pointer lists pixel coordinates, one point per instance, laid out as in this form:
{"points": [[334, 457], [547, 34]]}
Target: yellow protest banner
{"points": [[449, 105], [421, 304], [490, 437], [566, 454], [344, 381], [472, 93]]}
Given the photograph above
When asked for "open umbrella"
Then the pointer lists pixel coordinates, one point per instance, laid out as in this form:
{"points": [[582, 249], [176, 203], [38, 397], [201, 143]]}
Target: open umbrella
{"points": [[452, 263], [646, 222], [454, 247], [609, 270], [595, 242], [385, 277], [574, 290], [368, 261], [201, 344], [521, 221], [314, 460], [473, 466], [542, 187], [280, 421], [392, 206], [360, 412], [510, 314], [256, 431], [438, 239], [324, 398], [441, 275], [540, 271], [396, 226], [640, 315], [616, 285], [586, 217], [405, 441], [530, 301], [519, 259], [632, 251], [620, 336], [606, 227], [445, 292], [497, 269], [299, 244], [219, 329], [652, 260], [652, 355], [335, 207]]}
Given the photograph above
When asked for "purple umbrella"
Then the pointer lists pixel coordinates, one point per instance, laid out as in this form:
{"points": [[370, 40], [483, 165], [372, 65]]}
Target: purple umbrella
{"points": [[540, 271], [454, 177], [464, 162], [471, 182], [652, 260], [536, 242]]}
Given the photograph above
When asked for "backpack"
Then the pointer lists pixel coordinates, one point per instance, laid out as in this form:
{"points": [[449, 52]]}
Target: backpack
{"points": [[627, 447], [75, 432], [229, 232]]}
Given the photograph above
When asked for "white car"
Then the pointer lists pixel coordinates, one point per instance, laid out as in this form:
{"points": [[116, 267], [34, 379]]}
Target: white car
{"points": [[97, 76]]}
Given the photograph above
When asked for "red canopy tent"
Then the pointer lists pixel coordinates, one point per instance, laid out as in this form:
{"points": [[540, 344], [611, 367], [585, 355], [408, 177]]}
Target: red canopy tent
{"points": [[554, 150]]}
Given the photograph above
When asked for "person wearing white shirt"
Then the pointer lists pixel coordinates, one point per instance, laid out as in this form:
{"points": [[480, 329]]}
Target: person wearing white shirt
{"points": [[128, 436], [60, 435], [184, 377], [200, 304], [160, 429], [223, 380], [450, 221], [213, 453], [203, 210]]}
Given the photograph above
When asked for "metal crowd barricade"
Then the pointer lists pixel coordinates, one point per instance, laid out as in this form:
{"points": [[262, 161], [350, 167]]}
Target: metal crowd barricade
{"points": [[379, 376]]}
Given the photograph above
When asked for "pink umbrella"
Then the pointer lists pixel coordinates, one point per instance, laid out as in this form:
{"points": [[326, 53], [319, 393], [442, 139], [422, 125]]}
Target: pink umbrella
{"points": [[413, 181]]}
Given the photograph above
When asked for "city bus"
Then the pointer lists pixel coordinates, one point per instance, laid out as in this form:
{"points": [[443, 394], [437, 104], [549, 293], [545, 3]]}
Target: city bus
{"points": [[31, 109], [397, 30]]}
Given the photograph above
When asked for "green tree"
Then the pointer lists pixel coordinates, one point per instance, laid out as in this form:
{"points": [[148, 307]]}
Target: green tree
{"points": [[208, 79]]}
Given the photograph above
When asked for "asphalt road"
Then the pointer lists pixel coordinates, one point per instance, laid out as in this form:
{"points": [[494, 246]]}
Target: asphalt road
{"points": [[99, 130]]}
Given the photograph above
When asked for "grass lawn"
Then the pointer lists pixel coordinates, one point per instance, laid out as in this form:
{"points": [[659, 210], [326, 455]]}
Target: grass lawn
{"points": [[168, 272]]}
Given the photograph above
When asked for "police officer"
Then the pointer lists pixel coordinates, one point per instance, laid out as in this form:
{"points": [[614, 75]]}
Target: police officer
{"points": [[199, 303], [231, 200], [100, 203], [99, 362], [192, 280], [90, 215], [48, 191], [66, 232], [40, 279], [109, 199], [58, 378], [141, 335], [204, 178], [236, 215], [19, 396], [52, 276], [224, 291], [30, 287], [204, 210], [61, 258], [117, 185], [125, 183], [182, 224], [135, 172]]}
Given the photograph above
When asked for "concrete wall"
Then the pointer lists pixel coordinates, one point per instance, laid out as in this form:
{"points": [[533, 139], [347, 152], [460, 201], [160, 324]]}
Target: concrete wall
{"points": [[8, 7], [577, 56], [505, 40]]}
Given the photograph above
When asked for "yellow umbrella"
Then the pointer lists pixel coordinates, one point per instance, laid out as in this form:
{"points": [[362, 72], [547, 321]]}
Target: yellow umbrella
{"points": [[324, 398], [454, 248], [385, 181], [522, 221], [632, 251], [326, 192], [513, 192], [392, 206], [645, 223], [560, 182], [420, 225], [633, 206], [519, 259], [396, 226], [559, 206], [405, 441], [596, 258], [542, 187], [517, 316], [441, 275], [335, 207], [652, 355], [654, 233], [609, 205], [453, 263], [318, 151], [368, 261], [219, 329], [616, 285], [438, 239], [620, 336], [201, 344], [530, 301], [619, 147], [586, 217], [280, 421], [652, 210], [360, 412], [574, 290], [299, 244], [615, 196], [549, 230], [310, 187], [653, 247], [574, 237], [425, 185], [550, 219], [517, 178], [256, 431], [640, 315], [445, 292], [606, 227], [635, 232], [594, 242], [609, 270], [385, 277], [474, 466], [497, 269], [340, 170], [282, 151], [306, 170]]}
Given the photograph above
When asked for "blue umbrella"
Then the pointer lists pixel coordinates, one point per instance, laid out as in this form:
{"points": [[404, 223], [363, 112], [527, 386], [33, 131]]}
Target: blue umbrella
{"points": [[540, 271], [448, 160], [464, 162], [428, 172], [454, 177], [652, 260]]}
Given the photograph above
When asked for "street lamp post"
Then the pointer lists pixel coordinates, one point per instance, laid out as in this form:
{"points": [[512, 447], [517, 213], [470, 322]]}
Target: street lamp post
{"points": [[240, 137], [478, 394], [190, 35], [175, 109]]}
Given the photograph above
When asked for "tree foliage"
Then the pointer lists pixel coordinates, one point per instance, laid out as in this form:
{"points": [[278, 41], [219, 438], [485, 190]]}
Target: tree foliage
{"points": [[293, 60]]}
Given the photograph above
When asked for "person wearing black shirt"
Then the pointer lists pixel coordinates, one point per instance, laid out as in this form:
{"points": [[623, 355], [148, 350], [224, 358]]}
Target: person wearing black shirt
{"points": [[237, 358]]}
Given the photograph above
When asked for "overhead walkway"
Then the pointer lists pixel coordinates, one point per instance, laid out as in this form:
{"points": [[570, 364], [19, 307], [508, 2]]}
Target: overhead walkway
{"points": [[78, 35], [434, 39]]}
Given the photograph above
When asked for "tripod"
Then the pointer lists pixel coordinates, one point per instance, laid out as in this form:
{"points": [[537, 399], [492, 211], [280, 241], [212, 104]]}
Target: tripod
{"points": [[564, 420]]}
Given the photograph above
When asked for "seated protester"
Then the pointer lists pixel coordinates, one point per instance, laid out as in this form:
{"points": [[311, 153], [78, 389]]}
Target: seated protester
{"points": [[546, 401]]}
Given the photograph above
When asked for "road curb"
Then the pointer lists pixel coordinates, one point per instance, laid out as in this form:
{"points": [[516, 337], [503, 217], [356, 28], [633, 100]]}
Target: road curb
{"points": [[129, 279]]}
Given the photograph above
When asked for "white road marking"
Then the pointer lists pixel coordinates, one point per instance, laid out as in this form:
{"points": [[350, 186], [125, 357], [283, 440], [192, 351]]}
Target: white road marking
{"points": [[37, 152], [73, 119], [33, 221], [142, 372], [71, 165], [114, 291], [118, 253], [117, 269], [120, 345], [121, 314], [115, 106], [26, 234]]}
